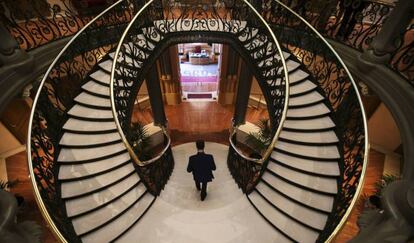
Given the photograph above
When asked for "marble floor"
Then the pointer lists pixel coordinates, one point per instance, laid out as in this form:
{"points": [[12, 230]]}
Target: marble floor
{"points": [[179, 216]]}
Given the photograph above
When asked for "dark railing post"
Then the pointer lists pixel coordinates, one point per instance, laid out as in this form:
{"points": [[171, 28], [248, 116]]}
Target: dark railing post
{"points": [[10, 53], [390, 36], [155, 96], [243, 93]]}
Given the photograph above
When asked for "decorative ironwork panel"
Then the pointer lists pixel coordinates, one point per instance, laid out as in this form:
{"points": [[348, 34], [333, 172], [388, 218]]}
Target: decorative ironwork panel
{"points": [[338, 88], [55, 96]]}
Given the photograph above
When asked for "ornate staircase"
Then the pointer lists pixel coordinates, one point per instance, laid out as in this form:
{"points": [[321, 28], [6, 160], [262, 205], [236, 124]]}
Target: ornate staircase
{"points": [[92, 187]]}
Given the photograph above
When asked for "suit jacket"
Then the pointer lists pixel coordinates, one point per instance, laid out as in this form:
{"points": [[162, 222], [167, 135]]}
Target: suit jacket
{"points": [[202, 166]]}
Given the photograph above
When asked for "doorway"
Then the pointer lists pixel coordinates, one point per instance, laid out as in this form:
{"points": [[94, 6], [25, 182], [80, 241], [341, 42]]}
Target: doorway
{"points": [[199, 69]]}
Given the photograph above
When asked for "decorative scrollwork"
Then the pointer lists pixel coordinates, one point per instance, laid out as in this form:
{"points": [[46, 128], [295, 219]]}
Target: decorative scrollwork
{"points": [[245, 172], [326, 69], [161, 21], [55, 96]]}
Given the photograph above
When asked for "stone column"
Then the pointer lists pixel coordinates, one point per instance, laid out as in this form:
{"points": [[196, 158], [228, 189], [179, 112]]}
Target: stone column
{"points": [[11, 55]]}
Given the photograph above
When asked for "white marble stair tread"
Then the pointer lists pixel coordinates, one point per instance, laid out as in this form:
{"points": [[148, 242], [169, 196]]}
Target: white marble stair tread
{"points": [[86, 112], [73, 124], [96, 88], [106, 65], [75, 188], [310, 137], [82, 170], [322, 184], [290, 227], [81, 154], [309, 98], [302, 87], [312, 199], [116, 227], [94, 219], [319, 151], [101, 76], [94, 200], [310, 124], [314, 166], [306, 215], [76, 139], [87, 99], [297, 76], [309, 111]]}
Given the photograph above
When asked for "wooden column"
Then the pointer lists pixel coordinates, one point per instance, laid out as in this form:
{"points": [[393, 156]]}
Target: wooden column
{"points": [[155, 96], [243, 93], [229, 70], [168, 70]]}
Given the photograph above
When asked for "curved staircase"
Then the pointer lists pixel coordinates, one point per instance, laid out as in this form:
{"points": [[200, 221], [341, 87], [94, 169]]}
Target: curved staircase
{"points": [[297, 190], [103, 191]]}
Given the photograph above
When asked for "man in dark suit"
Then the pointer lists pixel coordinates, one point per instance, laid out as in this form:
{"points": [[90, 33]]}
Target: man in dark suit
{"points": [[202, 166]]}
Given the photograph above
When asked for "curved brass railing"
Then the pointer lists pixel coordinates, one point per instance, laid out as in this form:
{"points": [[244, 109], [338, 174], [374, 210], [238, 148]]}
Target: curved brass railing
{"points": [[354, 88], [77, 58], [113, 98], [269, 149]]}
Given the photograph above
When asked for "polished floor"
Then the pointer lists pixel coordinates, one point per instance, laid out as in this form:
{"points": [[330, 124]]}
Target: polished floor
{"points": [[187, 122], [178, 215]]}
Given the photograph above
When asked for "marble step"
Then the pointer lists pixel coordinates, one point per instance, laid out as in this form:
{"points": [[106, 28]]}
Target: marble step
{"points": [[317, 183], [106, 66], [90, 113], [101, 76], [96, 88], [91, 201], [309, 98], [302, 87], [91, 100], [318, 151], [99, 217], [76, 125], [122, 223], [319, 109], [310, 124], [296, 76], [313, 166], [75, 139], [305, 215], [82, 170], [315, 200], [293, 229], [85, 154], [328, 137], [83, 186]]}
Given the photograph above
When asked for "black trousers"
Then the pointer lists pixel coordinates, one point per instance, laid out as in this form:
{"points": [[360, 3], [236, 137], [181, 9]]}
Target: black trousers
{"points": [[203, 187]]}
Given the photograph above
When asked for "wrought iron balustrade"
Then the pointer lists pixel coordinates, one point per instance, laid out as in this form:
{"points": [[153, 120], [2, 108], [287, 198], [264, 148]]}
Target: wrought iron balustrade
{"points": [[163, 23], [60, 84], [341, 93], [354, 23]]}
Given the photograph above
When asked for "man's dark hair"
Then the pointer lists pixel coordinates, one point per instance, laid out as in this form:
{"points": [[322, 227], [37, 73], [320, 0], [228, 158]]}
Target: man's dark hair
{"points": [[200, 144]]}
